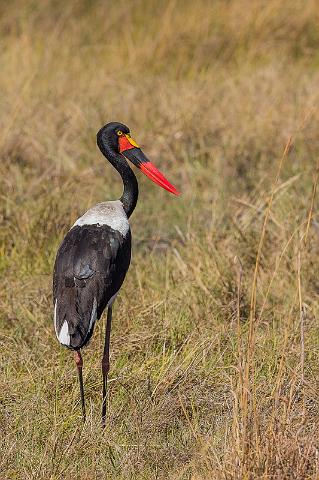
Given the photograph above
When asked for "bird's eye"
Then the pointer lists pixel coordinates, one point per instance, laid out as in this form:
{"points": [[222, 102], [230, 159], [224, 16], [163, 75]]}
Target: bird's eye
{"points": [[119, 133]]}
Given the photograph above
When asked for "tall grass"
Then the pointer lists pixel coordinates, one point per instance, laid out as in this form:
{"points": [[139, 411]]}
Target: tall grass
{"points": [[214, 349]]}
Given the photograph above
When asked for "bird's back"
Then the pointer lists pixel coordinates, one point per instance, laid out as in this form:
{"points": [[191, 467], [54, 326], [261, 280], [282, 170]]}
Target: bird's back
{"points": [[89, 270]]}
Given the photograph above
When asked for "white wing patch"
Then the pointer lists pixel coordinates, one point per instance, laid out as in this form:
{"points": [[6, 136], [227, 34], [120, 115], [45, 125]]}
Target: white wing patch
{"points": [[55, 306], [64, 336], [106, 213], [93, 316], [111, 301]]}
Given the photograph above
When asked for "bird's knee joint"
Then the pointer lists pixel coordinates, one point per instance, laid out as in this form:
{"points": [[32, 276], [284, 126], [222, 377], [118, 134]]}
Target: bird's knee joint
{"points": [[78, 359]]}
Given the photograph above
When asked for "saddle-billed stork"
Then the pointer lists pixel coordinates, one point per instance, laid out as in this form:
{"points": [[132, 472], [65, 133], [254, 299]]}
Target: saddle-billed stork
{"points": [[95, 254]]}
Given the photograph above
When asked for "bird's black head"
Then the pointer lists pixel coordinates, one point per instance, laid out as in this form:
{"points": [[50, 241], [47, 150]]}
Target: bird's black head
{"points": [[114, 139], [108, 136]]}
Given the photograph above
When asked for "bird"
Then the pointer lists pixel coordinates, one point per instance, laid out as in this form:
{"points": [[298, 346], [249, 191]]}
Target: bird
{"points": [[94, 256]]}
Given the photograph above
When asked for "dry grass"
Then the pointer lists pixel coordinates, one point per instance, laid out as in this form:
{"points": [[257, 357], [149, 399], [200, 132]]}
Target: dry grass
{"points": [[215, 341]]}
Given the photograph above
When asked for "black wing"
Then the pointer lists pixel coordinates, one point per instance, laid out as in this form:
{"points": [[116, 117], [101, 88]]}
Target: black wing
{"points": [[90, 268]]}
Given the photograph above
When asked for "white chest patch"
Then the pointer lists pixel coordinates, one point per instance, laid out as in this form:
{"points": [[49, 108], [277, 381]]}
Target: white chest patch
{"points": [[106, 213]]}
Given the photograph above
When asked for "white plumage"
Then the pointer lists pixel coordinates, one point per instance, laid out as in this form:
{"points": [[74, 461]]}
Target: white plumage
{"points": [[64, 336], [106, 213]]}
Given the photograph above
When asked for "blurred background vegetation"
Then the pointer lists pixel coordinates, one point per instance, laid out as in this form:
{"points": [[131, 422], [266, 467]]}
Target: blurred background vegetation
{"points": [[214, 367]]}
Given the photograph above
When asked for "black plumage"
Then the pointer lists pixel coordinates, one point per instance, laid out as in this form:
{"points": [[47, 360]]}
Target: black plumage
{"points": [[91, 263]]}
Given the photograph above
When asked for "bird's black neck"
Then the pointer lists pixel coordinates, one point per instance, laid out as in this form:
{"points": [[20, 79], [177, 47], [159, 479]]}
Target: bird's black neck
{"points": [[130, 191]]}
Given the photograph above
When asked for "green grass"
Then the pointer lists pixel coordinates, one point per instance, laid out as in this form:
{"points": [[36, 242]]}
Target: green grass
{"points": [[215, 340]]}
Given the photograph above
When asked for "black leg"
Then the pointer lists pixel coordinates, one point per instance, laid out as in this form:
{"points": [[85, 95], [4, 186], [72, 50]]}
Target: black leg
{"points": [[106, 362], [79, 364]]}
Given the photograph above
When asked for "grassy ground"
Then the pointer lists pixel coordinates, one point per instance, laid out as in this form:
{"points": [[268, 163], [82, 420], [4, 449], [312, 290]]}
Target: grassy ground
{"points": [[215, 344]]}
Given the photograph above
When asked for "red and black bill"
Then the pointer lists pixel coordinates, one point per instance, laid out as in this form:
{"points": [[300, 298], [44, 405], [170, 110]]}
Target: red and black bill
{"points": [[129, 148]]}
